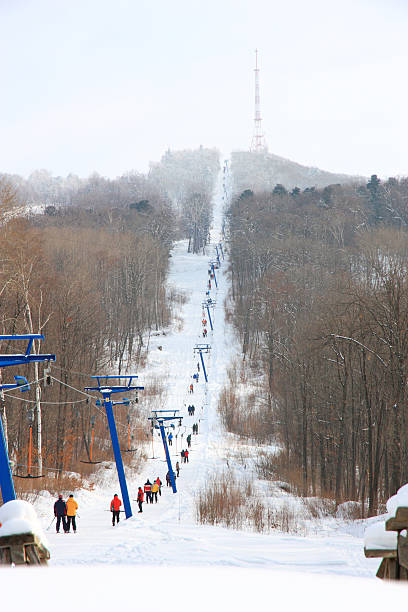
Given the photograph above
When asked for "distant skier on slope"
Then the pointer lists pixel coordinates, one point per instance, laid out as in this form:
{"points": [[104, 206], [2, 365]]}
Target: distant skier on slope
{"points": [[140, 499], [168, 482], [60, 511], [72, 507], [159, 483], [148, 491], [177, 469], [155, 490], [186, 454], [189, 440], [115, 508]]}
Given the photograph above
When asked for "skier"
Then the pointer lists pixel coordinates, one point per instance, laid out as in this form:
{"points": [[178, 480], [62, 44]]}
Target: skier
{"points": [[170, 438], [115, 509], [198, 365], [155, 490], [189, 440], [177, 469], [60, 511], [191, 388], [148, 490], [140, 499], [192, 409], [72, 507], [182, 456], [186, 453], [168, 479], [205, 332], [159, 483]]}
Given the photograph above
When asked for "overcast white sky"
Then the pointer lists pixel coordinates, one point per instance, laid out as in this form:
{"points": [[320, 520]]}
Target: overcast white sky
{"points": [[109, 85]]}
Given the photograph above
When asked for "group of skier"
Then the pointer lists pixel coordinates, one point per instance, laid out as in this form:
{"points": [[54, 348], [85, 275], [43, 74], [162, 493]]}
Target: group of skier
{"points": [[151, 491], [65, 513]]}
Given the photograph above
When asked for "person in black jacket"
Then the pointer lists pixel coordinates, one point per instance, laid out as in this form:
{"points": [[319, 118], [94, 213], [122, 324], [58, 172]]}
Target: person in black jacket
{"points": [[60, 511]]}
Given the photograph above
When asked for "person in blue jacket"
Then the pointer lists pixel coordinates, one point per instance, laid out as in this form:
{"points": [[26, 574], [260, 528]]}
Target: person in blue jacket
{"points": [[60, 511]]}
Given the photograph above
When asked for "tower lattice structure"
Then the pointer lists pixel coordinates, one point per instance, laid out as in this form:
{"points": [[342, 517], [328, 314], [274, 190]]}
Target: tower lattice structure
{"points": [[258, 143]]}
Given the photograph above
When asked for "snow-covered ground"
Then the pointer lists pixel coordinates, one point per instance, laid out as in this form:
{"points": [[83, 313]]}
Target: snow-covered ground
{"points": [[167, 534]]}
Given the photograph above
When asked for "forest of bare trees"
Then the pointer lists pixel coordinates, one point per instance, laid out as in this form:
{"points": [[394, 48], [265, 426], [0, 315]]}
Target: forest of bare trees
{"points": [[189, 179], [320, 303], [86, 265]]}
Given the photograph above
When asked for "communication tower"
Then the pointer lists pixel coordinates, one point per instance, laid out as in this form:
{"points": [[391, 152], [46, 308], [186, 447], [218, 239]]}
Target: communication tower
{"points": [[258, 143]]}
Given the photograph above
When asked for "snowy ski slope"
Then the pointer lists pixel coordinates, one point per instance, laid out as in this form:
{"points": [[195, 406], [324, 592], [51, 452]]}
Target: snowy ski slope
{"points": [[214, 567]]}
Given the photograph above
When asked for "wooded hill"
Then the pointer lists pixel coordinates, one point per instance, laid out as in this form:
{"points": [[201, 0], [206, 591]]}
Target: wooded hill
{"points": [[320, 303], [262, 171]]}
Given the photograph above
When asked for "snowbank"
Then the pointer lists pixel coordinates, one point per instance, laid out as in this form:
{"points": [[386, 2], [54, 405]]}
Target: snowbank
{"points": [[18, 516], [399, 500], [376, 538]]}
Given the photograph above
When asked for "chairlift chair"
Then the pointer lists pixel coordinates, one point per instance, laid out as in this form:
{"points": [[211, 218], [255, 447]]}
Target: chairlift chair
{"points": [[31, 421], [92, 438], [128, 449]]}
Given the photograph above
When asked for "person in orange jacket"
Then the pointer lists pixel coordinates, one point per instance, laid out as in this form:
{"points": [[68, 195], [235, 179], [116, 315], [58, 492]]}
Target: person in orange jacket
{"points": [[155, 490], [115, 508], [72, 507]]}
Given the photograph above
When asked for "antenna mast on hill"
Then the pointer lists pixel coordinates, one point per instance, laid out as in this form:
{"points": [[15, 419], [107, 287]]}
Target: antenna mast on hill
{"points": [[258, 143]]}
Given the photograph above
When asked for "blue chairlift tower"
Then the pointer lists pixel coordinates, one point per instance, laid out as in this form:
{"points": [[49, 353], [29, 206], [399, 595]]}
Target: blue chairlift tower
{"points": [[158, 419], [202, 348], [6, 478], [213, 272], [207, 306], [105, 387]]}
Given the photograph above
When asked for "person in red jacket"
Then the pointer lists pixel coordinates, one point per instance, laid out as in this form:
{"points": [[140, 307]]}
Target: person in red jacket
{"points": [[148, 491], [115, 508], [140, 499], [159, 482], [186, 456]]}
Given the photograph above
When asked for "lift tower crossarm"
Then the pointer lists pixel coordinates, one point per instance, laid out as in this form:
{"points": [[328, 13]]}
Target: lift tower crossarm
{"points": [[6, 477], [21, 358]]}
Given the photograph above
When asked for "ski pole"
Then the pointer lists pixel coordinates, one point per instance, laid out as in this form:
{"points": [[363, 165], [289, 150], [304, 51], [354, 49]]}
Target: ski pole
{"points": [[49, 526]]}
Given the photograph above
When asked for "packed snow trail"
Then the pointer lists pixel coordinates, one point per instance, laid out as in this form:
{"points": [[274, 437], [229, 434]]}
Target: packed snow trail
{"points": [[167, 532]]}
